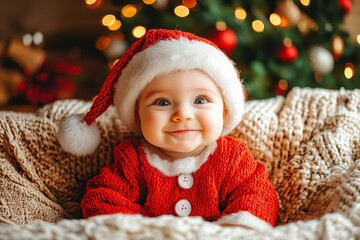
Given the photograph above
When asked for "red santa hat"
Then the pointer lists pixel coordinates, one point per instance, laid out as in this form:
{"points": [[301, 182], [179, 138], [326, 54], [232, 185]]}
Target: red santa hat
{"points": [[159, 51]]}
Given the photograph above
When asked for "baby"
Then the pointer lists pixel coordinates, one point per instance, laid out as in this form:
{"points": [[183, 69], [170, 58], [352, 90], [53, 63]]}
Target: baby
{"points": [[181, 96]]}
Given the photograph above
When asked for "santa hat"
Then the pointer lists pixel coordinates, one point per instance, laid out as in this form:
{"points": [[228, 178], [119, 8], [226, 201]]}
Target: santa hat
{"points": [[159, 51]]}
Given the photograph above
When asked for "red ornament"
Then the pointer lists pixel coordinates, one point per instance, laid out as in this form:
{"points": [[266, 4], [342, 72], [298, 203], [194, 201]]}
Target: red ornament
{"points": [[226, 40], [346, 5], [287, 53], [49, 83]]}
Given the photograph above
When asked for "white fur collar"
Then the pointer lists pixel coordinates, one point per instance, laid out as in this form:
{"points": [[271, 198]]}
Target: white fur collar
{"points": [[186, 165]]}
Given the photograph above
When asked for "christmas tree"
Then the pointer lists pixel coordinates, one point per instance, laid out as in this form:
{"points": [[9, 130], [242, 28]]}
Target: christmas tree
{"points": [[276, 44]]}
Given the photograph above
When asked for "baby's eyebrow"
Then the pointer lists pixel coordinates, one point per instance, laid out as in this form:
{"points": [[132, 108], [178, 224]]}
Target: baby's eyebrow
{"points": [[206, 90], [168, 91], [156, 92]]}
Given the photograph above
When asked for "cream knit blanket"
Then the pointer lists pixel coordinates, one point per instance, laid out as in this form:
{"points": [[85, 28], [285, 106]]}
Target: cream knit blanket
{"points": [[309, 141]]}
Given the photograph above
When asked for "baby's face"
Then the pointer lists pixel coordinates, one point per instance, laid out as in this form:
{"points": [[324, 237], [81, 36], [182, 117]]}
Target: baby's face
{"points": [[181, 112]]}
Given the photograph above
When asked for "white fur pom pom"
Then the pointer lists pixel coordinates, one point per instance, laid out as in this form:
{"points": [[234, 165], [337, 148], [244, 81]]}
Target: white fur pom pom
{"points": [[76, 137]]}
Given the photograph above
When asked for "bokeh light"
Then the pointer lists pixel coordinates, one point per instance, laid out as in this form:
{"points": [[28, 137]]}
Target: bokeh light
{"points": [[275, 19], [181, 11], [128, 11], [115, 26], [305, 2], [349, 70], [138, 31], [108, 20], [93, 3], [258, 26], [148, 2], [221, 25], [283, 84], [240, 13]]}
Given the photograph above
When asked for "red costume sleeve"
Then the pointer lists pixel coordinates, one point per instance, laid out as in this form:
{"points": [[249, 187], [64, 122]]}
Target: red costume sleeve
{"points": [[117, 187], [248, 188]]}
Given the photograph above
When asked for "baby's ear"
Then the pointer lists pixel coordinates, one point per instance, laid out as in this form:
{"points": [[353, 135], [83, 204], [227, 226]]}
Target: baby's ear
{"points": [[225, 114]]}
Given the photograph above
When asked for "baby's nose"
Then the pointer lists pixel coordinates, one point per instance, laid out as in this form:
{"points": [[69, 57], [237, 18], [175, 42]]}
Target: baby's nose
{"points": [[182, 113]]}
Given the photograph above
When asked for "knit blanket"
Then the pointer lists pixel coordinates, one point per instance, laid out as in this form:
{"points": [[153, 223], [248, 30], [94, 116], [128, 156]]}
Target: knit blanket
{"points": [[308, 140]]}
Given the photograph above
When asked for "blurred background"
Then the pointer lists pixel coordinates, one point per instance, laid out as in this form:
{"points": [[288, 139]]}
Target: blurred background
{"points": [[58, 49]]}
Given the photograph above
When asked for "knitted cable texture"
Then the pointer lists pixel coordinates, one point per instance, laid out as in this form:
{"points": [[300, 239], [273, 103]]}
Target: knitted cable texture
{"points": [[309, 142]]}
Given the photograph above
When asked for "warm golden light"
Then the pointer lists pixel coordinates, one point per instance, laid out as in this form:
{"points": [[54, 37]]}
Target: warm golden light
{"points": [[358, 38], [115, 26], [220, 25], [349, 70], [138, 31], [128, 11], [240, 13], [148, 2], [305, 2], [275, 19], [258, 26], [189, 3], [181, 11], [92, 3], [108, 20], [283, 85]]}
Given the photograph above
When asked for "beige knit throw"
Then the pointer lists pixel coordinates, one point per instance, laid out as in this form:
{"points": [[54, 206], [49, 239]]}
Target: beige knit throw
{"points": [[309, 141]]}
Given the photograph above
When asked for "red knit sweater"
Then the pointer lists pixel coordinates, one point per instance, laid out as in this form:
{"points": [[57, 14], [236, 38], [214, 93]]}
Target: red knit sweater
{"points": [[229, 181]]}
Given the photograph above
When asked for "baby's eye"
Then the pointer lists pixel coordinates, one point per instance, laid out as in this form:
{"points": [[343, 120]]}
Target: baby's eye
{"points": [[200, 100], [162, 102]]}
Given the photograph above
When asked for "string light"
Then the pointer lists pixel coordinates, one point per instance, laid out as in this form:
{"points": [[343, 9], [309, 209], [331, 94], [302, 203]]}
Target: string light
{"points": [[108, 20], [258, 26], [305, 2], [220, 25], [275, 19], [240, 13], [349, 70], [148, 2], [181, 11], [128, 11], [138, 31], [115, 26]]}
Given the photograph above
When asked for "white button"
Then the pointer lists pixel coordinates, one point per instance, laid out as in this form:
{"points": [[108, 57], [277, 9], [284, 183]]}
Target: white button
{"points": [[185, 181], [183, 208]]}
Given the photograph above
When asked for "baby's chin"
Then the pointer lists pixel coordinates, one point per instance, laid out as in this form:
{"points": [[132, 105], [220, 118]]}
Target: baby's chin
{"points": [[183, 151]]}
